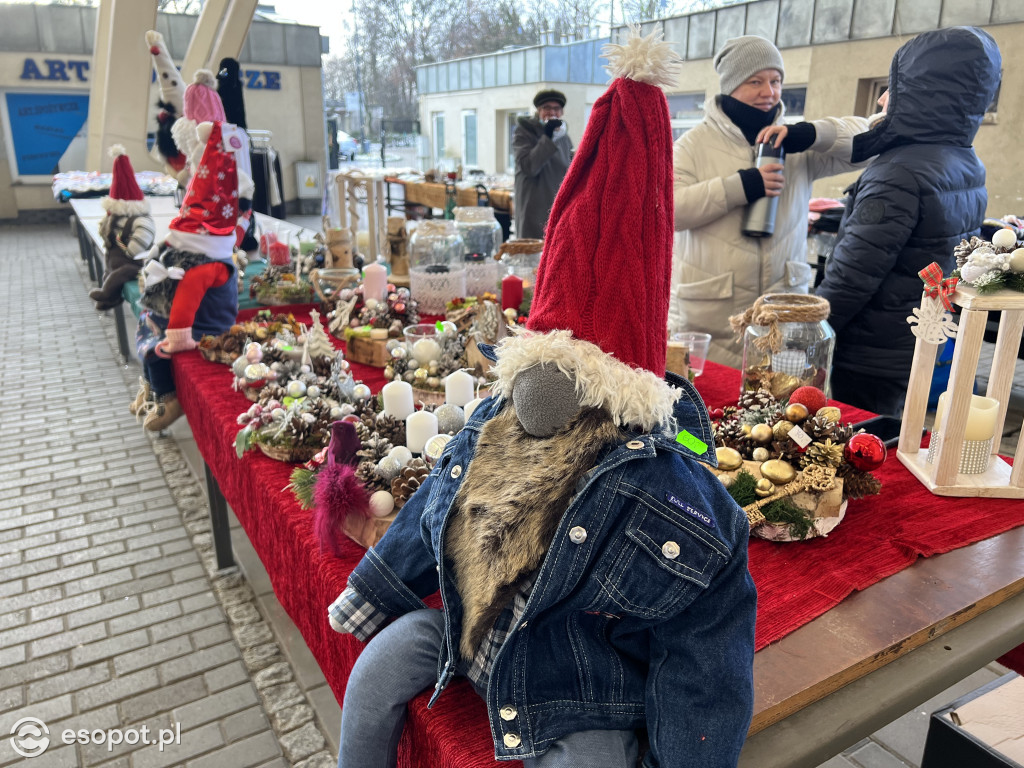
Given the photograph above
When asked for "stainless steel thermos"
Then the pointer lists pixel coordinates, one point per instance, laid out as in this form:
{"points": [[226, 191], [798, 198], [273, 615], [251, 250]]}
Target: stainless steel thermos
{"points": [[759, 219]]}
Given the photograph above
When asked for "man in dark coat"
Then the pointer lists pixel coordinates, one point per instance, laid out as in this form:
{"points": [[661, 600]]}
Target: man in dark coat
{"points": [[543, 150], [923, 193]]}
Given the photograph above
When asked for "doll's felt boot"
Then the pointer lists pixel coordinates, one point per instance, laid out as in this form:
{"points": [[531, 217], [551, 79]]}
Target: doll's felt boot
{"points": [[144, 395], [167, 411]]}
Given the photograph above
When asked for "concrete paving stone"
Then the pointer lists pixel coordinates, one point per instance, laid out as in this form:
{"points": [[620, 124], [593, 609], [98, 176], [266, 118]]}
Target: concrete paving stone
{"points": [[168, 563], [168, 522], [216, 706], [12, 587], [19, 520], [318, 760], [14, 655], [27, 542], [102, 510], [24, 634], [82, 489], [274, 674], [67, 576], [172, 591], [128, 558], [47, 711], [141, 587], [98, 581], [873, 756], [200, 661], [135, 709], [261, 656], [143, 618], [89, 530], [11, 535], [55, 757], [30, 569], [243, 613], [226, 676], [193, 743], [94, 552], [191, 621], [66, 523], [12, 558], [244, 723], [158, 651], [251, 751], [117, 689], [12, 698], [112, 646], [278, 697], [839, 761], [290, 718], [144, 496], [302, 742], [277, 762], [102, 612], [122, 533], [13, 619], [160, 538], [67, 639], [35, 461], [61, 606], [249, 635], [74, 680], [204, 638], [36, 669], [176, 546], [100, 754]]}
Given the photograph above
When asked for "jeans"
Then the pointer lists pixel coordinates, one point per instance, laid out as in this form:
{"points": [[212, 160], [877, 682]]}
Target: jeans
{"points": [[400, 662]]}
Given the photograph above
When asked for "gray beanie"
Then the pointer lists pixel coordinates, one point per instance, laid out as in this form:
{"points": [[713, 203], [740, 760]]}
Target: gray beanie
{"points": [[741, 57]]}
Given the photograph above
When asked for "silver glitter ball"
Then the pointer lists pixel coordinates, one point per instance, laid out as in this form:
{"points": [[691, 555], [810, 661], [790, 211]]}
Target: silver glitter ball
{"points": [[450, 418], [388, 468]]}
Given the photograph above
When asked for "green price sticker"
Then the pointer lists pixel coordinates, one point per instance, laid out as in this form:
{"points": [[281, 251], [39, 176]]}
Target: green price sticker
{"points": [[692, 442]]}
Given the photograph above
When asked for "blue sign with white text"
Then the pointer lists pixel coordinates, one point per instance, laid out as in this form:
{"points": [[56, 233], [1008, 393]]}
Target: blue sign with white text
{"points": [[42, 127]]}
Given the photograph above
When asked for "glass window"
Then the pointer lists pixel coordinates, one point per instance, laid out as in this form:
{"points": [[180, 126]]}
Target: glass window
{"points": [[469, 137], [794, 99], [437, 119], [685, 111], [490, 71]]}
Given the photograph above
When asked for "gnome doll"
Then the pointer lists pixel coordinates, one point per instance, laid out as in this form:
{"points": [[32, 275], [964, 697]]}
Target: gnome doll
{"points": [[593, 572], [170, 106], [189, 281], [127, 231]]}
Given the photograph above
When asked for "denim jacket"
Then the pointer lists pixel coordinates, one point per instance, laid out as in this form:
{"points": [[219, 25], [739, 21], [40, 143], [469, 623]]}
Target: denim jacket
{"points": [[642, 613]]}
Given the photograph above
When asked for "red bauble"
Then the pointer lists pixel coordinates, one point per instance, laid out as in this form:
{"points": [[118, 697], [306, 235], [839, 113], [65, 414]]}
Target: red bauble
{"points": [[716, 413], [812, 397], [865, 452]]}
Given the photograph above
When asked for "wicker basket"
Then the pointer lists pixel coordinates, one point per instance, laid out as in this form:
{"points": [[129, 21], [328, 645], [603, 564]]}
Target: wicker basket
{"points": [[217, 355], [298, 454], [428, 396]]}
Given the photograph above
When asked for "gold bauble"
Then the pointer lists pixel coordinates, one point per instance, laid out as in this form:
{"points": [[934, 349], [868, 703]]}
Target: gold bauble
{"points": [[760, 453], [781, 429], [796, 412], [728, 459], [831, 413], [745, 429], [778, 471], [761, 433], [764, 487], [782, 385]]}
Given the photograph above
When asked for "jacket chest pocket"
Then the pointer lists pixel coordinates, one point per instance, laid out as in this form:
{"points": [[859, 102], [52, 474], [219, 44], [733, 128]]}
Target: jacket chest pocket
{"points": [[659, 568]]}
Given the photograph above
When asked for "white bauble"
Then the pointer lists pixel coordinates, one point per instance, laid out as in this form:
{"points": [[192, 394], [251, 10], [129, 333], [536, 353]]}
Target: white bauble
{"points": [[401, 454], [971, 272], [388, 468], [382, 504], [295, 388], [1017, 260], [1004, 238]]}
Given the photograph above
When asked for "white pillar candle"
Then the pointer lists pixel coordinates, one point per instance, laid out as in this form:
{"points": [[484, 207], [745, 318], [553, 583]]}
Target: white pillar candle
{"points": [[471, 406], [375, 281], [981, 418], [419, 427], [398, 399], [426, 350], [458, 388]]}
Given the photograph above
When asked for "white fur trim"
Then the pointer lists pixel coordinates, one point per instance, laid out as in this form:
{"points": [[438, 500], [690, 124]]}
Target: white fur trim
{"points": [[644, 59], [154, 38], [635, 397], [116, 150], [218, 247], [186, 139], [125, 207]]}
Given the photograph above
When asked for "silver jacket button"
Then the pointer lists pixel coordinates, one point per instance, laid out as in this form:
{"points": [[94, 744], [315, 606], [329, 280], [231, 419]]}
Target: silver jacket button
{"points": [[635, 445], [578, 535], [456, 471], [670, 550], [508, 713], [512, 740]]}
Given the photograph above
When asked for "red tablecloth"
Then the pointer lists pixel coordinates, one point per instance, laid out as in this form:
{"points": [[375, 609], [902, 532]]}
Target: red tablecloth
{"points": [[796, 582]]}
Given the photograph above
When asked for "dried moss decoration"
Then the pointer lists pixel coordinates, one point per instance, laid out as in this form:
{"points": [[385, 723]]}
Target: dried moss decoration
{"points": [[778, 512]]}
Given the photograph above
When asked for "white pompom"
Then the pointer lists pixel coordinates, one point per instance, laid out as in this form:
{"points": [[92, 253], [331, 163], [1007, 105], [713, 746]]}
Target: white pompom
{"points": [[644, 59], [117, 150]]}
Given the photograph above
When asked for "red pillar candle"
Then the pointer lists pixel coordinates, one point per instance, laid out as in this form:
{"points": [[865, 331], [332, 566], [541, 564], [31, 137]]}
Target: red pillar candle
{"points": [[511, 292]]}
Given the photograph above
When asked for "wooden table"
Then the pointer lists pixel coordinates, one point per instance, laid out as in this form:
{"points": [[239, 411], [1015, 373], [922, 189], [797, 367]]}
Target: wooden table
{"points": [[433, 195]]}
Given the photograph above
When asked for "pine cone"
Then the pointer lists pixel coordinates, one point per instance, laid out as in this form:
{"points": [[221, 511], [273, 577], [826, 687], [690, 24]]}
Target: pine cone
{"points": [[842, 433], [819, 428], [391, 429], [374, 448], [366, 473], [762, 398], [322, 365], [826, 453], [961, 252], [729, 434], [786, 450], [857, 484], [412, 476], [272, 392]]}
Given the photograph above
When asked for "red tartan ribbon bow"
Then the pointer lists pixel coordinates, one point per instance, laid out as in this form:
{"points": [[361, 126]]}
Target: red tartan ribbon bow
{"points": [[937, 287]]}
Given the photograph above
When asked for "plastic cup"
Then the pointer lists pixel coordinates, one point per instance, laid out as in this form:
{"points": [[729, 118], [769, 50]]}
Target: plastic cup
{"points": [[697, 345]]}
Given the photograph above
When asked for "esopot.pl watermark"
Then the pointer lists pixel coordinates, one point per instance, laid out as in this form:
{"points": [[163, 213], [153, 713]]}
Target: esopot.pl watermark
{"points": [[30, 737]]}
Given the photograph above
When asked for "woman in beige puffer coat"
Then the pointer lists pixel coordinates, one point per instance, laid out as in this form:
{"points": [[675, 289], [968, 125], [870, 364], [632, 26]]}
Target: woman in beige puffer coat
{"points": [[717, 271]]}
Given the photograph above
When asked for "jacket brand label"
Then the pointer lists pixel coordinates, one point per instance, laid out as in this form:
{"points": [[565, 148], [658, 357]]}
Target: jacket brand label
{"points": [[693, 512]]}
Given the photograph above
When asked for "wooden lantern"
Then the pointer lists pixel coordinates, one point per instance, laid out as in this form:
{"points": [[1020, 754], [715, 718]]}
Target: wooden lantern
{"points": [[942, 477]]}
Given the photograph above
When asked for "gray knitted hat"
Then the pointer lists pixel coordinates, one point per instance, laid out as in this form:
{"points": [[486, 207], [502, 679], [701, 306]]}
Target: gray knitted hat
{"points": [[741, 57]]}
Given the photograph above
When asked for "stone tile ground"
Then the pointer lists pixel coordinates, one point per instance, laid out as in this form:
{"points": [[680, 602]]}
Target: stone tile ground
{"points": [[110, 612]]}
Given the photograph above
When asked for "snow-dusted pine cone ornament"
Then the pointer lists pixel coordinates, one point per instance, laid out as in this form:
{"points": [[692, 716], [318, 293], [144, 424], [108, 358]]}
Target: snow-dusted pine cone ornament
{"points": [[411, 477], [374, 448], [272, 391], [367, 474], [819, 428], [390, 428], [857, 484]]}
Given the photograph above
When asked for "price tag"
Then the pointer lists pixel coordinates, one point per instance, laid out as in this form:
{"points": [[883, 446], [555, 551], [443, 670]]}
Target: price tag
{"points": [[800, 437]]}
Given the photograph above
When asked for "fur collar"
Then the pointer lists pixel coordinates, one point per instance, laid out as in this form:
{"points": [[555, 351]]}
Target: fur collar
{"points": [[634, 397], [509, 505]]}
